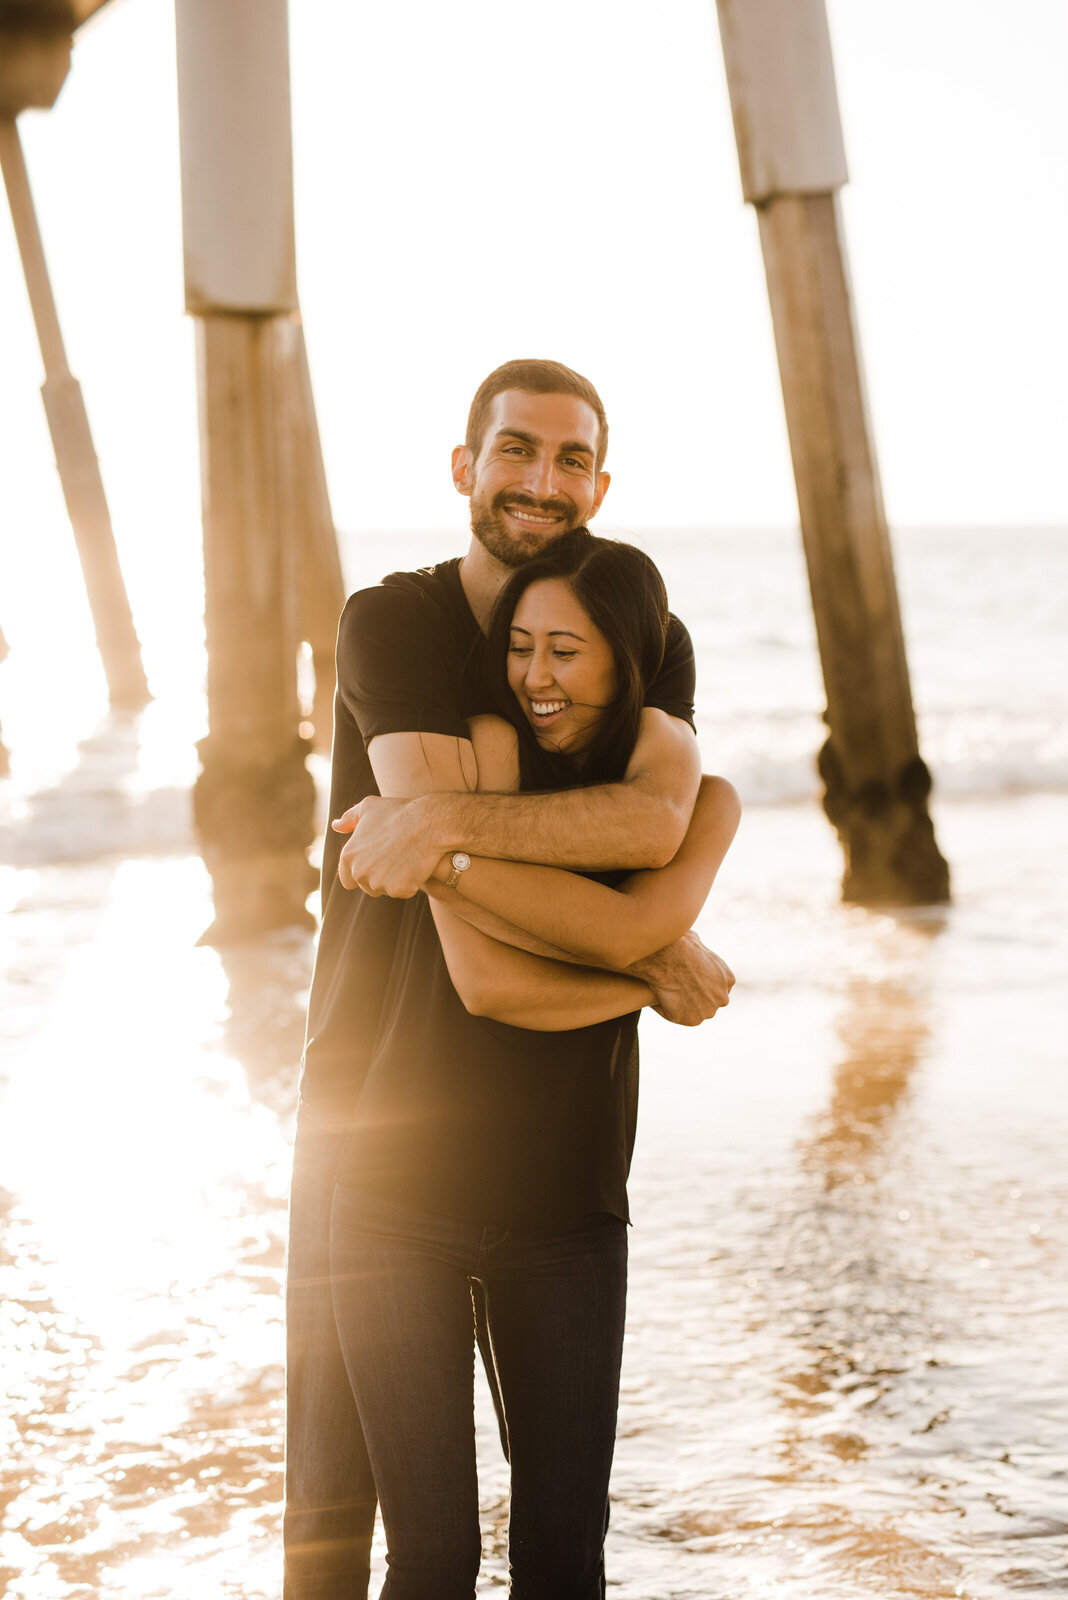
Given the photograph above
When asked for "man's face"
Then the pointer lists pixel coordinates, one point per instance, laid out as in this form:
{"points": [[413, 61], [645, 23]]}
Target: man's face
{"points": [[536, 475]]}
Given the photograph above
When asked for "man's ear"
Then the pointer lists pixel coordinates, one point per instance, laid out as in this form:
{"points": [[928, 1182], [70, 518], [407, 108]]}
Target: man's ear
{"points": [[603, 480], [462, 476]]}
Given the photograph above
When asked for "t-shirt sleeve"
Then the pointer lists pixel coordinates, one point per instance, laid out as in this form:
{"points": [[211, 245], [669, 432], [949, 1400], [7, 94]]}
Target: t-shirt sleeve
{"points": [[398, 669], [672, 690]]}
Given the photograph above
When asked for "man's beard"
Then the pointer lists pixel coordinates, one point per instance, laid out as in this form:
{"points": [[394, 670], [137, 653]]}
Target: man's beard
{"points": [[515, 549]]}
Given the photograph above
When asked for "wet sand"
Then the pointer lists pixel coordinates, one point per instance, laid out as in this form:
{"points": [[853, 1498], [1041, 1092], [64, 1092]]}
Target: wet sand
{"points": [[843, 1374]]}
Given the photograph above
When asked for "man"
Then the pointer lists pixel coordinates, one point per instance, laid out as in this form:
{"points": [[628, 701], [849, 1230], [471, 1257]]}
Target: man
{"points": [[532, 467]]}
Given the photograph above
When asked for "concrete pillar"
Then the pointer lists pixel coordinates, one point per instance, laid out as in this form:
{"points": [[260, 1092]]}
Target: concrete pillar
{"points": [[788, 130], [267, 525]]}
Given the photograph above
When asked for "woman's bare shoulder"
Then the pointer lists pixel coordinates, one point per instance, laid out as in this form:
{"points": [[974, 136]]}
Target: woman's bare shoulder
{"points": [[496, 746]]}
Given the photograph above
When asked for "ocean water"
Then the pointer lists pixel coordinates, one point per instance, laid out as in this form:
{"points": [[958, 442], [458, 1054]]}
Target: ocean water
{"points": [[844, 1370]]}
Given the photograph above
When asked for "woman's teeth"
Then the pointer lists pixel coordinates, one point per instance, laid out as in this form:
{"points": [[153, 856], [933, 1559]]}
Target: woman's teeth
{"points": [[547, 708]]}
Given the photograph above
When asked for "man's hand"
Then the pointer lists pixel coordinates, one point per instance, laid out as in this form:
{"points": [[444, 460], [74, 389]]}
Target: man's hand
{"points": [[690, 982], [391, 851]]}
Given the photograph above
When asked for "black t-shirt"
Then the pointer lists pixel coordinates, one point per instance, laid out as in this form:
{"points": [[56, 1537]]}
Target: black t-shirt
{"points": [[443, 1103], [402, 650]]}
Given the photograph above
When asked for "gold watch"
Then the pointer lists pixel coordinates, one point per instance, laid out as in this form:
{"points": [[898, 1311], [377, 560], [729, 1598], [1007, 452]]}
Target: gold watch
{"points": [[460, 863]]}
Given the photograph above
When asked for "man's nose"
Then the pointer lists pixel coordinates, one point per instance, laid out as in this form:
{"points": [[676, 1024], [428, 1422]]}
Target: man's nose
{"points": [[541, 477]]}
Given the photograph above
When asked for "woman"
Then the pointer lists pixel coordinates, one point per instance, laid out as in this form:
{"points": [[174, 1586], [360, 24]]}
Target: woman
{"points": [[479, 1157]]}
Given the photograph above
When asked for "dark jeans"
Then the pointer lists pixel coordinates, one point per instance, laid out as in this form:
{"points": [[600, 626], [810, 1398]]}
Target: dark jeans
{"points": [[555, 1300], [330, 1491]]}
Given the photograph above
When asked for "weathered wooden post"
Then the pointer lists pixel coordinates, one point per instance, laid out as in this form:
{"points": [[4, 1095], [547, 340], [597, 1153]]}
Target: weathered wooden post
{"points": [[784, 102], [35, 53], [254, 798]]}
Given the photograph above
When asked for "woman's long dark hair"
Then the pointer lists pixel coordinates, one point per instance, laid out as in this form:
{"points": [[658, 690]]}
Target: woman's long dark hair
{"points": [[622, 592]]}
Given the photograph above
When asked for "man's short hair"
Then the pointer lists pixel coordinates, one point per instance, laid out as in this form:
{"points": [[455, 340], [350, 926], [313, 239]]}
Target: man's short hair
{"points": [[533, 377]]}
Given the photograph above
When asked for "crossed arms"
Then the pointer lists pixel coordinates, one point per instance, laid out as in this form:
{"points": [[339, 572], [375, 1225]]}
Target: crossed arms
{"points": [[527, 943]]}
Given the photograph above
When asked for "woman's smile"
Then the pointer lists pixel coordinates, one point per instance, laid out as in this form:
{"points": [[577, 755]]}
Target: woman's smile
{"points": [[542, 712], [560, 666]]}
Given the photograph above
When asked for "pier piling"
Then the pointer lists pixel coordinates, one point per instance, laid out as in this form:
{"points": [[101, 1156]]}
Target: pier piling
{"points": [[784, 103], [72, 441], [272, 576]]}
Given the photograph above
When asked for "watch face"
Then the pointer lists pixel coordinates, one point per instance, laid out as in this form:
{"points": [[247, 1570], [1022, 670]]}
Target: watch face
{"points": [[460, 861]]}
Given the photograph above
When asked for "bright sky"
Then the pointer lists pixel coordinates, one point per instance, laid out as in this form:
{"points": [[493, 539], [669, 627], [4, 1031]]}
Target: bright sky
{"points": [[478, 181]]}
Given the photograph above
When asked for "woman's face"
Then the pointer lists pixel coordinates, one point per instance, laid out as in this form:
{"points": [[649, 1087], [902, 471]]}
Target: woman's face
{"points": [[560, 666]]}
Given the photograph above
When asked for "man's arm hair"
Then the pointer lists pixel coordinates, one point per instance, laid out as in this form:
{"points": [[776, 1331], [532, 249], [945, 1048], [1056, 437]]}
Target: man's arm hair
{"points": [[493, 979], [399, 838], [639, 822], [410, 764]]}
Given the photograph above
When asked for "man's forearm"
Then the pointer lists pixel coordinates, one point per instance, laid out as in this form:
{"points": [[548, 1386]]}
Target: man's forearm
{"points": [[617, 825], [641, 821]]}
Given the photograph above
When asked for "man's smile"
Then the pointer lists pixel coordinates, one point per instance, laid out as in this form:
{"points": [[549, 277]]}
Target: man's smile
{"points": [[526, 515], [530, 517]]}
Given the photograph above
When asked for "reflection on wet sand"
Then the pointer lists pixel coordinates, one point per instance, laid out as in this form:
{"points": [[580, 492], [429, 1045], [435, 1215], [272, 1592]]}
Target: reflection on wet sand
{"points": [[861, 1301], [142, 1237], [859, 1289], [843, 1374], [844, 1358], [882, 1029], [266, 999]]}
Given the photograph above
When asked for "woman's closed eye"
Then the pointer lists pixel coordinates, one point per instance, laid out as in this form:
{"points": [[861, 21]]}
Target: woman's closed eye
{"points": [[526, 650]]}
